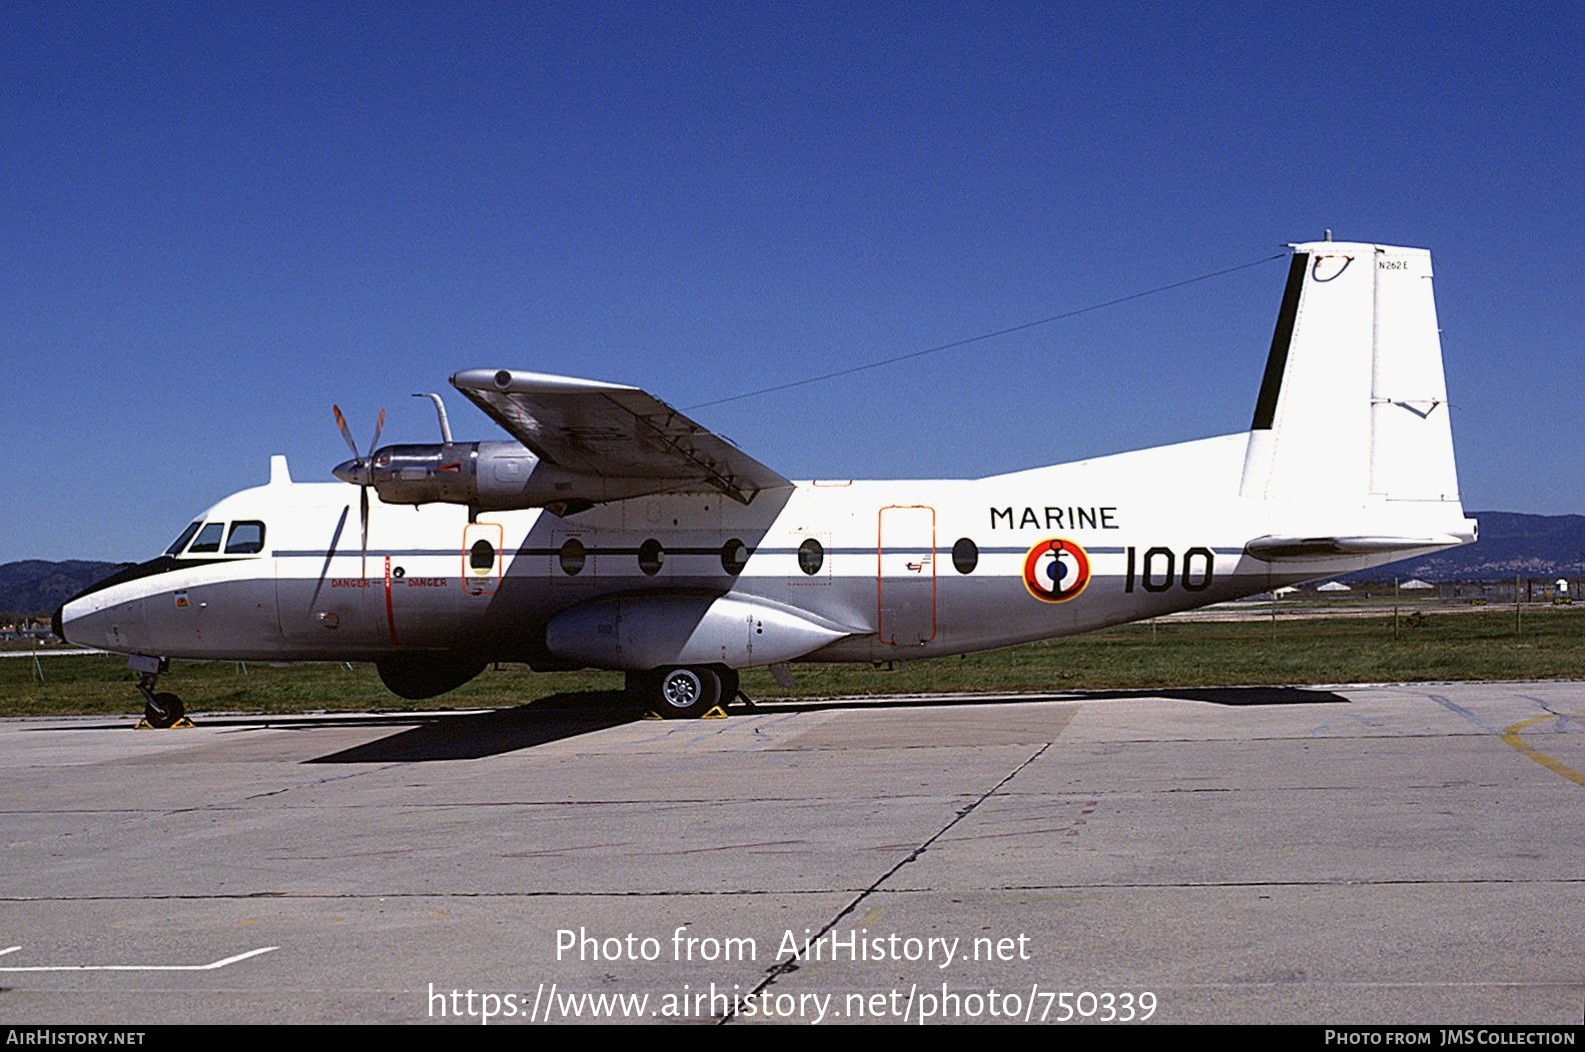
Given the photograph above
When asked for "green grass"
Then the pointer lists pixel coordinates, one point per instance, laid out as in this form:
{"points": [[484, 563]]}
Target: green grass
{"points": [[1293, 650]]}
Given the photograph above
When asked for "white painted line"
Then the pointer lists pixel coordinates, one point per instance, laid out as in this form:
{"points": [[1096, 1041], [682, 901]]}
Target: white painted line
{"points": [[9, 949], [80, 652], [138, 967]]}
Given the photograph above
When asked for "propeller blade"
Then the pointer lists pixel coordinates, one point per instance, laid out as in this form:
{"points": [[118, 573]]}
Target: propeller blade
{"points": [[346, 432], [379, 425], [361, 468], [364, 511]]}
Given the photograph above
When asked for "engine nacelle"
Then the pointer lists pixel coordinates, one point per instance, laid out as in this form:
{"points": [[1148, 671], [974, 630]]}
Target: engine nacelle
{"points": [[642, 632], [488, 476]]}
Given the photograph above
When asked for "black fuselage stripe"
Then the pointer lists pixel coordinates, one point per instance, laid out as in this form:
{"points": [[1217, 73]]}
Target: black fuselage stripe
{"points": [[166, 564]]}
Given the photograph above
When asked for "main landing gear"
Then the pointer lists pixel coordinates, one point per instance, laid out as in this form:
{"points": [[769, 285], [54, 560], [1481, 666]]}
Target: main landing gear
{"points": [[161, 710], [687, 692]]}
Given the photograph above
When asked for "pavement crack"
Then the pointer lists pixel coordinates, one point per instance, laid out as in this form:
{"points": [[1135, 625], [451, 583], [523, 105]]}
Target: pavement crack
{"points": [[785, 967]]}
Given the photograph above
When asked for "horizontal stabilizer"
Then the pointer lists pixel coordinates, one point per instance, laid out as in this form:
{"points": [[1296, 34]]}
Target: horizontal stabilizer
{"points": [[1283, 549]]}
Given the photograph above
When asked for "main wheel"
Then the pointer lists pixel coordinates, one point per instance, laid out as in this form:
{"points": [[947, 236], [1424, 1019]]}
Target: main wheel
{"points": [[163, 710], [684, 693], [729, 681]]}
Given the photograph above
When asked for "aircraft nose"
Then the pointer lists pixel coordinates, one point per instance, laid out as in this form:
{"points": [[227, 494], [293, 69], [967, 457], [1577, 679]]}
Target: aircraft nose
{"points": [[55, 625], [353, 471]]}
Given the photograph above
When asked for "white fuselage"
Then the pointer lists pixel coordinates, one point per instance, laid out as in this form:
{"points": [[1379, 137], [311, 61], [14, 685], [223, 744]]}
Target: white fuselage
{"points": [[904, 568]]}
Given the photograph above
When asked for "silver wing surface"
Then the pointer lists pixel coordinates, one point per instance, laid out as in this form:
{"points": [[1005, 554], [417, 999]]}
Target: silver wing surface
{"points": [[603, 431]]}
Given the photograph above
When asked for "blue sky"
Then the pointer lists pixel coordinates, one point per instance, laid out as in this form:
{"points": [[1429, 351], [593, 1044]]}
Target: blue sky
{"points": [[216, 220]]}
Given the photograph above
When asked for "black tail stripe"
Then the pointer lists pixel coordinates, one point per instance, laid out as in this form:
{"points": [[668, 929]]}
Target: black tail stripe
{"points": [[1277, 360]]}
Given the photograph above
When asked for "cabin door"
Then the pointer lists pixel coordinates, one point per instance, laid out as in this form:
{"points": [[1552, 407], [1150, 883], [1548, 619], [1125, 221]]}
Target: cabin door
{"points": [[905, 556]]}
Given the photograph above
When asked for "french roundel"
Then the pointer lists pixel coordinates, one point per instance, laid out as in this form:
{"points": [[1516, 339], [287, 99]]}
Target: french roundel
{"points": [[1056, 570]]}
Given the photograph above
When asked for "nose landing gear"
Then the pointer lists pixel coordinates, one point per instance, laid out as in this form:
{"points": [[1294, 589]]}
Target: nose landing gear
{"points": [[160, 710]]}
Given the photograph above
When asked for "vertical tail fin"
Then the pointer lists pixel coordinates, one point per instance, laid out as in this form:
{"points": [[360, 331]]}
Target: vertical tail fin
{"points": [[1353, 405]]}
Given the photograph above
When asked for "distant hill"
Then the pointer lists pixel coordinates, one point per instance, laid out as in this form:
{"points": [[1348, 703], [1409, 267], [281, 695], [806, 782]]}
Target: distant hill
{"points": [[1511, 544], [34, 586]]}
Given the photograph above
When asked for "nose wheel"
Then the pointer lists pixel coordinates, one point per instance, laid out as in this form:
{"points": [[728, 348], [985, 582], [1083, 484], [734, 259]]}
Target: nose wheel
{"points": [[161, 710]]}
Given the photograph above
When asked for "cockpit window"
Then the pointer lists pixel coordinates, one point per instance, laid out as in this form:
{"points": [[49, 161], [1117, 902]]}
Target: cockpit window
{"points": [[208, 539], [247, 538], [181, 542]]}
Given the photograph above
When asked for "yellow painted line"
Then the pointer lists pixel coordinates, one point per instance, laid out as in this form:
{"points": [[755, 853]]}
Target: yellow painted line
{"points": [[1510, 736]]}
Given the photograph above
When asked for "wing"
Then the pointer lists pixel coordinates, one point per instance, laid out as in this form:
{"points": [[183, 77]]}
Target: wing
{"points": [[604, 431]]}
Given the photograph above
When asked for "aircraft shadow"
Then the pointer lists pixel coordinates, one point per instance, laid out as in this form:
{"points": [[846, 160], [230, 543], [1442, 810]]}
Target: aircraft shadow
{"points": [[475, 735], [472, 736], [1236, 696], [557, 717]]}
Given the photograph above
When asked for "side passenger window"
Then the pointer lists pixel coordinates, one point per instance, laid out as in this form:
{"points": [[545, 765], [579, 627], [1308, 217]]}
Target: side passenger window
{"points": [[811, 556]]}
